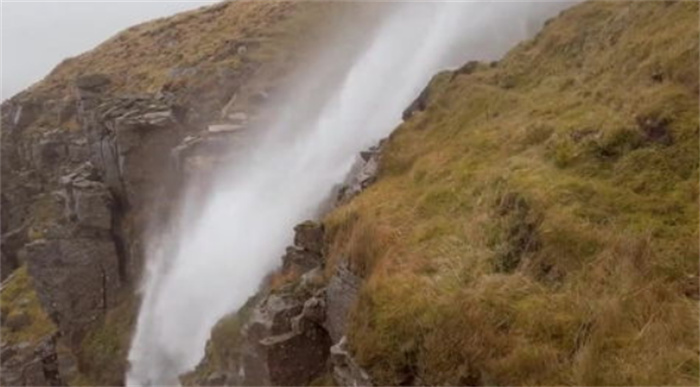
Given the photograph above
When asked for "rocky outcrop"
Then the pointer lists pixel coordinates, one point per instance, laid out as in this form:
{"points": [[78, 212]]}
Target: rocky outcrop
{"points": [[295, 333], [44, 364], [346, 372], [362, 174], [289, 334], [130, 139], [306, 253], [78, 227], [433, 88], [75, 265], [340, 293]]}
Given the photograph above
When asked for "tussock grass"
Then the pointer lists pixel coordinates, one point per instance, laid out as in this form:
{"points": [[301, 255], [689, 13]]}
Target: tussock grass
{"points": [[538, 223]]}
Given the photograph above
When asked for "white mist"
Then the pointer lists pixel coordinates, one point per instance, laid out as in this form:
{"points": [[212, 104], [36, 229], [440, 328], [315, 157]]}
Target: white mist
{"points": [[218, 258]]}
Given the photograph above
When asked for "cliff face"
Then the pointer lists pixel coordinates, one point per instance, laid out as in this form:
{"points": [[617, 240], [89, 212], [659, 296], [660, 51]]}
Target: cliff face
{"points": [[96, 154], [533, 221]]}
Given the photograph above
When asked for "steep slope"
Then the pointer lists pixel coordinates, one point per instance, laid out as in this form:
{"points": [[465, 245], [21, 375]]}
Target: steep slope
{"points": [[96, 153], [533, 221], [537, 223]]}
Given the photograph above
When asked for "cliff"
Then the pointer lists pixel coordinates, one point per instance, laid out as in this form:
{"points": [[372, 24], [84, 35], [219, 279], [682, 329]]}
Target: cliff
{"points": [[532, 221], [96, 154]]}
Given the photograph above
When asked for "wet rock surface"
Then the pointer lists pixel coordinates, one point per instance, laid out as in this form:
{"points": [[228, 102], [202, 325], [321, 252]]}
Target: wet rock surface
{"points": [[295, 334], [289, 334]]}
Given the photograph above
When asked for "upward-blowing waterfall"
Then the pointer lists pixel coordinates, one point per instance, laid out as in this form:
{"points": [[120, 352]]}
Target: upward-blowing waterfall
{"points": [[216, 259]]}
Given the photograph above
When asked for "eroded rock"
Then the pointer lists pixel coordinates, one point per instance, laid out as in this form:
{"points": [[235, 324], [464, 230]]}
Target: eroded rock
{"points": [[346, 372], [76, 279], [45, 364], [341, 293], [362, 174]]}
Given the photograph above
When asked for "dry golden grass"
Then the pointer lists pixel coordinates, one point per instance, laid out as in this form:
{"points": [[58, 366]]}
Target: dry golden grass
{"points": [[533, 225]]}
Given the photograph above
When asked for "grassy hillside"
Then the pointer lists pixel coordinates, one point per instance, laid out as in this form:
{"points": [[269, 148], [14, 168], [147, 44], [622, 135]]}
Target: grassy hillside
{"points": [[538, 223]]}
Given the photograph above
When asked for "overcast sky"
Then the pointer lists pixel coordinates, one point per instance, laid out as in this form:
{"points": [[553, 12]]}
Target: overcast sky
{"points": [[36, 36]]}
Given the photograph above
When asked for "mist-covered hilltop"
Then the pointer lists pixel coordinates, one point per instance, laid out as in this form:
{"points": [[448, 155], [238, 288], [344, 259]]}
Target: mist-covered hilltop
{"points": [[533, 220]]}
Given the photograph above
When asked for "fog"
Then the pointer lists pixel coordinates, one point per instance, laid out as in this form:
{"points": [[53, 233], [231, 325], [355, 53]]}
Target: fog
{"points": [[37, 36], [212, 262]]}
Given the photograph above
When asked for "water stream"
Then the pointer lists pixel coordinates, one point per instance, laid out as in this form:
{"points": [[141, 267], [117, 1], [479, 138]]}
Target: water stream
{"points": [[239, 231]]}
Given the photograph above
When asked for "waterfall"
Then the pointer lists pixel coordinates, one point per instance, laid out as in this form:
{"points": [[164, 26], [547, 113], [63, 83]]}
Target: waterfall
{"points": [[215, 260]]}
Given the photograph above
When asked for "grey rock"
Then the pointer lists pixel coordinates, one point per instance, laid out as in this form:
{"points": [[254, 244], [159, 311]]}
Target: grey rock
{"points": [[300, 260], [76, 279], [7, 352], [346, 372], [12, 242], [87, 200], [309, 236], [25, 114], [49, 153], [314, 310], [33, 374], [419, 104], [295, 359], [26, 364], [362, 174], [311, 280], [341, 294]]}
